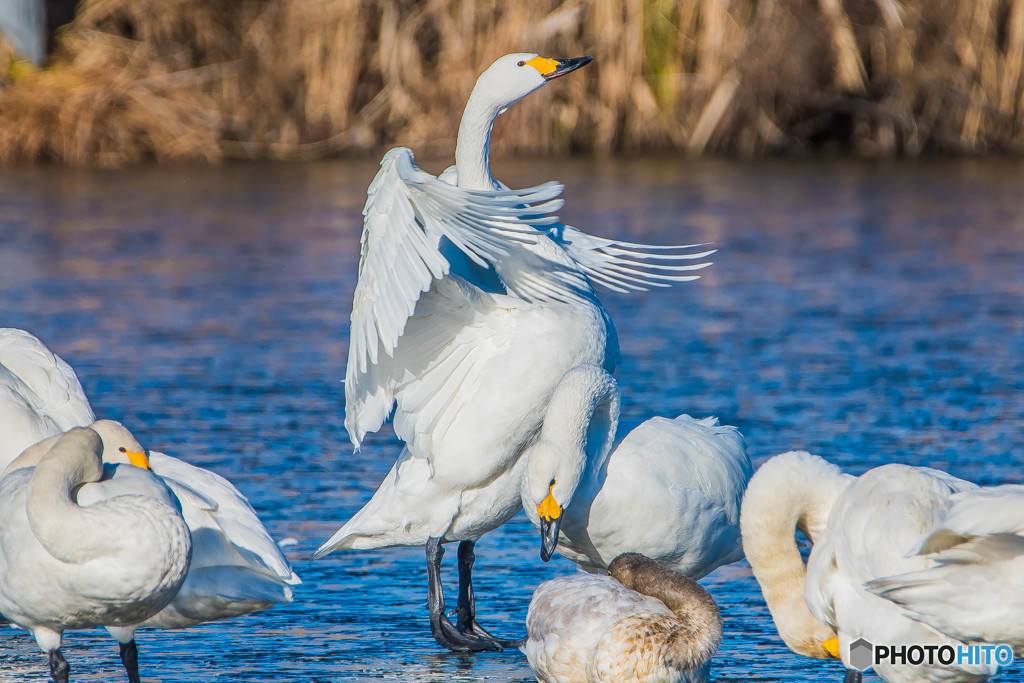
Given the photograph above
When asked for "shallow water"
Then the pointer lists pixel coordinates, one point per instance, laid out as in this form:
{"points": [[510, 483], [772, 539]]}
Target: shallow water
{"points": [[867, 312]]}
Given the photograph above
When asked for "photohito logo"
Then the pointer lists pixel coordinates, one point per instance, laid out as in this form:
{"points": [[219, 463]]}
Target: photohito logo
{"points": [[864, 654]]}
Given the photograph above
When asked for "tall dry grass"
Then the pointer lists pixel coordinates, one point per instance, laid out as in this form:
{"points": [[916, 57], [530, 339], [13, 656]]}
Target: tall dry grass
{"points": [[187, 80]]}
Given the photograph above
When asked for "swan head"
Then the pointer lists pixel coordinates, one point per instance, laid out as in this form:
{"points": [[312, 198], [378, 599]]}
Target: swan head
{"points": [[514, 76], [119, 445], [553, 474], [578, 432]]}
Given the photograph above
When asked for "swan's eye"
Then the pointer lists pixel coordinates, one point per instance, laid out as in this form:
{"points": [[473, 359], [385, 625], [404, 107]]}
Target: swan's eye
{"points": [[123, 449], [520, 63], [552, 483]]}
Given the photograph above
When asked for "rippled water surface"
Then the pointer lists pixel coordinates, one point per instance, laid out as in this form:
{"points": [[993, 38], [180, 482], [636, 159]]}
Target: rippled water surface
{"points": [[869, 313]]}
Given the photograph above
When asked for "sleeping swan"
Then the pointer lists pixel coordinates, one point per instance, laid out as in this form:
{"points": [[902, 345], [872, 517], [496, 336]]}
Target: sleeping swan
{"points": [[641, 622], [82, 545]]}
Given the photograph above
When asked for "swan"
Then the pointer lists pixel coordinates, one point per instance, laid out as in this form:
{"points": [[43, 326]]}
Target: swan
{"points": [[973, 584], [40, 395], [79, 548], [670, 489], [640, 622], [236, 567], [862, 528], [471, 301]]}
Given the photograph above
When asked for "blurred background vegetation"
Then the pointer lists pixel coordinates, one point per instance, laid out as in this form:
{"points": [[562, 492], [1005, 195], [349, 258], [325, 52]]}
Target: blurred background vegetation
{"points": [[126, 81]]}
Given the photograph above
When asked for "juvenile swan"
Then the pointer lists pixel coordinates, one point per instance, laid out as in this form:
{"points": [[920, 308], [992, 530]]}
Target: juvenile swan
{"points": [[862, 528], [641, 622], [671, 489], [472, 301], [79, 548]]}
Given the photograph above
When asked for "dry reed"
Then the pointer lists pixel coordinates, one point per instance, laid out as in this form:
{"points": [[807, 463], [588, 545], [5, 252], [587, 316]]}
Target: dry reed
{"points": [[132, 80]]}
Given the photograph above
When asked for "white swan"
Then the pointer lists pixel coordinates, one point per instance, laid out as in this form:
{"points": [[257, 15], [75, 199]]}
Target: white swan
{"points": [[671, 489], [973, 585], [236, 568], [641, 622], [470, 304], [863, 528], [80, 550], [39, 394]]}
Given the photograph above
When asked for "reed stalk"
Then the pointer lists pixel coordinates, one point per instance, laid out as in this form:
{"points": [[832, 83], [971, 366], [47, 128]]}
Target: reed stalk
{"points": [[183, 80]]}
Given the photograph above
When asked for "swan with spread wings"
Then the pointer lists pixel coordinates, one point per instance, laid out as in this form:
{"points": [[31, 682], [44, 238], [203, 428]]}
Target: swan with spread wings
{"points": [[472, 301]]}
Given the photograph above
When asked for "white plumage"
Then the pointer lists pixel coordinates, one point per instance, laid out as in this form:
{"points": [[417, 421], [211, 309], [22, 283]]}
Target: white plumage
{"points": [[236, 566], [81, 547], [40, 395], [863, 528], [472, 301], [670, 489], [972, 585]]}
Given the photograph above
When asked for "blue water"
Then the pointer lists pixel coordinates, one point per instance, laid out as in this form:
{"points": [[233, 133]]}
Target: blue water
{"points": [[867, 312]]}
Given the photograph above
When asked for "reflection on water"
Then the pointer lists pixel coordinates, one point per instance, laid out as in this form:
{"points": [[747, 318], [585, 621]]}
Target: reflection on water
{"points": [[870, 313]]}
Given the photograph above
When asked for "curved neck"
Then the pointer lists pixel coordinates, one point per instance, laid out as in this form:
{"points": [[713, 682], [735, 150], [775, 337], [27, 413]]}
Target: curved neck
{"points": [[791, 491], [31, 456], [700, 623], [62, 527], [578, 430], [472, 150]]}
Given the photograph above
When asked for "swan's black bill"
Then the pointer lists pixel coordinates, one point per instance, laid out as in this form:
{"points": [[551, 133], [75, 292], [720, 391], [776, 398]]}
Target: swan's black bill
{"points": [[566, 66], [549, 537]]}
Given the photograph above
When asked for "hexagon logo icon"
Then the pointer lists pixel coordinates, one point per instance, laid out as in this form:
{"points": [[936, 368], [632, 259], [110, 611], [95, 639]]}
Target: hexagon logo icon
{"points": [[861, 654]]}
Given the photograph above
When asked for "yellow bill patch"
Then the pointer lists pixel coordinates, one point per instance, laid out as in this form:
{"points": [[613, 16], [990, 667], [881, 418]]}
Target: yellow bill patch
{"points": [[137, 458], [832, 645], [543, 65], [549, 509]]}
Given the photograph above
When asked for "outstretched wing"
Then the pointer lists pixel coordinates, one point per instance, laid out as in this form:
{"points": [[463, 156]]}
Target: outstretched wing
{"points": [[627, 266], [408, 214]]}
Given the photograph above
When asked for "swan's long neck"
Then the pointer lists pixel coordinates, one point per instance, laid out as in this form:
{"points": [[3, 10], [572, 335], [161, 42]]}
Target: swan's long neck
{"points": [[699, 631], [578, 430], [582, 415], [57, 521], [473, 148], [790, 491]]}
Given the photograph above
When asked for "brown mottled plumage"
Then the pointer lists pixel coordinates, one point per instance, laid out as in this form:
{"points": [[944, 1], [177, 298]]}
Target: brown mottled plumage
{"points": [[696, 631], [642, 623]]}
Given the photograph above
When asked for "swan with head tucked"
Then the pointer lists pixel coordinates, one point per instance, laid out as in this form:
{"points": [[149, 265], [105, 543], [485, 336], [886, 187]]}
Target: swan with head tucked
{"points": [[862, 528], [81, 546], [670, 489], [236, 567], [472, 301], [640, 623], [972, 586]]}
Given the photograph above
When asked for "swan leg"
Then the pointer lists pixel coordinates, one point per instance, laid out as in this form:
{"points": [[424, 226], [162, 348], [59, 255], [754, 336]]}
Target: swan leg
{"points": [[130, 659], [465, 608], [447, 635], [852, 676], [60, 670]]}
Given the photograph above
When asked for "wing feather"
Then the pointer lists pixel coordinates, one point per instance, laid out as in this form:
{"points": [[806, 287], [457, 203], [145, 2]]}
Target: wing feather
{"points": [[630, 266], [407, 214]]}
